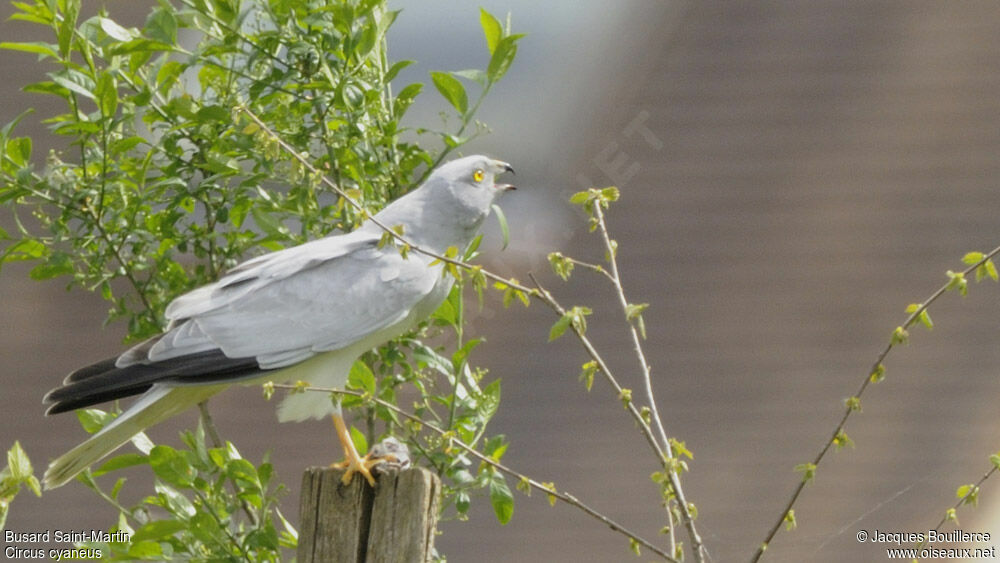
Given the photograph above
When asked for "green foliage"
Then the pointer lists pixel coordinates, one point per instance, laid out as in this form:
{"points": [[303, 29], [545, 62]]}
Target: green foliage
{"points": [[877, 374], [510, 293], [575, 317], [808, 471], [594, 200], [968, 494], [984, 267], [587, 372], [561, 265], [16, 474], [957, 282], [210, 504], [162, 185], [790, 522], [841, 440], [922, 315]]}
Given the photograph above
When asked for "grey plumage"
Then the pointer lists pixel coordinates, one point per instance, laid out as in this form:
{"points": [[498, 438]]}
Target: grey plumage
{"points": [[303, 313]]}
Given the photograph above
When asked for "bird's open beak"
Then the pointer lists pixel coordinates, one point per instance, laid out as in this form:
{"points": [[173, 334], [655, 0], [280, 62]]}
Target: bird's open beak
{"points": [[507, 168]]}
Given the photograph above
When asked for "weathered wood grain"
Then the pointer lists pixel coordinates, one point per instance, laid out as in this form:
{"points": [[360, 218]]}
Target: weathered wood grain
{"points": [[358, 524]]}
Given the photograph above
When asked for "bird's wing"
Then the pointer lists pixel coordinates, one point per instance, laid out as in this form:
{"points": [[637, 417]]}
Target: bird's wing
{"points": [[278, 311], [286, 308]]}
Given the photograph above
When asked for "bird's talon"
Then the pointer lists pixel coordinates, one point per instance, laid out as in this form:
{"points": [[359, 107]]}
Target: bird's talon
{"points": [[361, 466]]}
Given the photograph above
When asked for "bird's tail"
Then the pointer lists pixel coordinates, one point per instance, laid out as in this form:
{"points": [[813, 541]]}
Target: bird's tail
{"points": [[158, 404]]}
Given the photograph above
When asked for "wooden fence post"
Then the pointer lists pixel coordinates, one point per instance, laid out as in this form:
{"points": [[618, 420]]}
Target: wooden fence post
{"points": [[358, 524]]}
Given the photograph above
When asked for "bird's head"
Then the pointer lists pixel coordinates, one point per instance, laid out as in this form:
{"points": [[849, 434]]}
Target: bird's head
{"points": [[473, 180], [451, 205]]}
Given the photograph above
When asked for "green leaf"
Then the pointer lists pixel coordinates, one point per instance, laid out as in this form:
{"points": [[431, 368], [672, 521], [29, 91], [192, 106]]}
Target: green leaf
{"points": [[361, 378], [18, 462], [452, 90], [492, 29], [395, 68], [161, 25], [502, 57], [900, 336], [969, 494], [973, 257], [93, 420], [877, 374], [157, 529], [114, 30], [269, 224], [501, 498], [808, 471], [74, 81], [473, 74], [173, 501], [120, 462], [489, 401], [58, 264], [67, 27], [408, 94], [242, 472], [625, 396], [18, 150], [359, 440], [171, 466], [504, 229], [107, 94], [680, 449], [587, 374], [206, 529], [790, 522], [43, 49], [956, 280], [561, 265], [146, 550], [991, 270], [560, 326], [841, 440], [925, 319], [853, 404]]}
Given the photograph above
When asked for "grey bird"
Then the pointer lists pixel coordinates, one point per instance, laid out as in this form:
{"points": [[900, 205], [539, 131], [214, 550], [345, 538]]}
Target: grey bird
{"points": [[304, 313]]}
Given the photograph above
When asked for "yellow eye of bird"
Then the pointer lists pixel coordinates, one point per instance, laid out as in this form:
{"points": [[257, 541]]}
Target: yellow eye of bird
{"points": [[478, 175]]}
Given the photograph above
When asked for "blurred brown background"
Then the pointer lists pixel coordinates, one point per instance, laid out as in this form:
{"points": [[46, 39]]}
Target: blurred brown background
{"points": [[803, 172]]}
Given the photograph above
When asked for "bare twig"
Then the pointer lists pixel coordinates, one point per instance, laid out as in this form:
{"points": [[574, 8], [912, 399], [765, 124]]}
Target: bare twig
{"points": [[547, 489], [854, 402], [603, 368], [697, 545], [974, 490]]}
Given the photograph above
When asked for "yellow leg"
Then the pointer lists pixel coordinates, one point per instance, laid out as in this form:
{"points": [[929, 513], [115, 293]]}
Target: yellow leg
{"points": [[353, 462]]}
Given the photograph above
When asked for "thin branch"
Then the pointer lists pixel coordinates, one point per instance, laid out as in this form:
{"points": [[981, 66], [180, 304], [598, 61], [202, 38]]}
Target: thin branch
{"points": [[548, 490], [877, 367], [209, 425], [698, 546], [593, 267], [950, 513], [588, 346]]}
